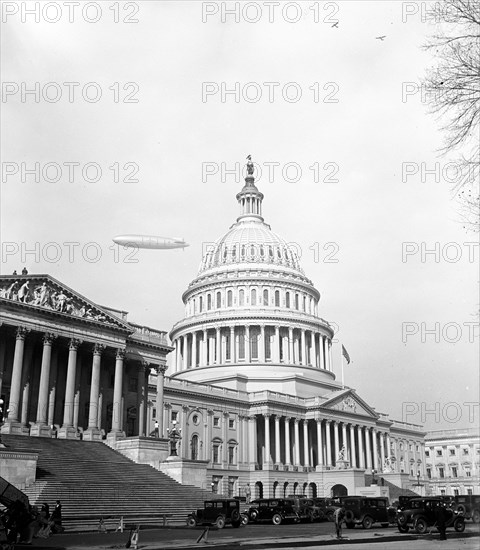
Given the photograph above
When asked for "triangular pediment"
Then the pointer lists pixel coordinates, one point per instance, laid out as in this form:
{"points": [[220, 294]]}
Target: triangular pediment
{"points": [[347, 401], [46, 293]]}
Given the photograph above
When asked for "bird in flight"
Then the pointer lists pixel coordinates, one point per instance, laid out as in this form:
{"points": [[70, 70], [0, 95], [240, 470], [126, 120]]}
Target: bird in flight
{"points": [[380, 37], [335, 24]]}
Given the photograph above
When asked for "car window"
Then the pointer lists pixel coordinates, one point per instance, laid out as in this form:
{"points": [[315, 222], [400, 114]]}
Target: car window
{"points": [[382, 504]]}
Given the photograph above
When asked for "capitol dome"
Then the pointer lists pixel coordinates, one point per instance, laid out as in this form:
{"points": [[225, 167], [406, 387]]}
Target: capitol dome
{"points": [[251, 314]]}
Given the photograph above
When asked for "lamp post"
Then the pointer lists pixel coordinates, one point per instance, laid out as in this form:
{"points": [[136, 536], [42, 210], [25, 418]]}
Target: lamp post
{"points": [[374, 481], [418, 484], [174, 435]]}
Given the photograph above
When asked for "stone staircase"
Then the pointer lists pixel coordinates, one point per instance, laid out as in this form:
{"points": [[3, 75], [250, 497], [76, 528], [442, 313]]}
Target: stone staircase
{"points": [[93, 481]]}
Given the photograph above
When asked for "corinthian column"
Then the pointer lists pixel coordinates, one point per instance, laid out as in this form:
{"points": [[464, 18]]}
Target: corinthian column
{"points": [[67, 431], [41, 427], [92, 432]]}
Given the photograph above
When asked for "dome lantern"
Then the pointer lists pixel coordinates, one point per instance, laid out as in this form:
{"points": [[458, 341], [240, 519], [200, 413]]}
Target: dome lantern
{"points": [[250, 198]]}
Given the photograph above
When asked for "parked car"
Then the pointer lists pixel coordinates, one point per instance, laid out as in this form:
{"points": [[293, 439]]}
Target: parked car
{"points": [[276, 510], [307, 509], [366, 511], [421, 514], [468, 506], [328, 506], [218, 512]]}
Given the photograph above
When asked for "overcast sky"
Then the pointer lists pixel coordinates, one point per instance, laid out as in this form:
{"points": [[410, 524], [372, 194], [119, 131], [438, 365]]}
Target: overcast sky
{"points": [[360, 185]]}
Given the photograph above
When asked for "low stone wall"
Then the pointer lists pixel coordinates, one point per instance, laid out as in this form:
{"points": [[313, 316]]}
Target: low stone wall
{"points": [[144, 450], [187, 472], [18, 467]]}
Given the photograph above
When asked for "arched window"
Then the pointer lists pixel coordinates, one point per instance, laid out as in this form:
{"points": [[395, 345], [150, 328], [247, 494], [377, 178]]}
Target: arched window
{"points": [[277, 298], [297, 306], [209, 301], [200, 304], [229, 298], [194, 447], [265, 297], [253, 300], [287, 299], [219, 300], [241, 297], [305, 303]]}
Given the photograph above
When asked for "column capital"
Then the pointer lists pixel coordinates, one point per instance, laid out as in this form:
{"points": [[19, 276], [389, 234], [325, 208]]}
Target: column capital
{"points": [[48, 338], [185, 408], [22, 332], [296, 420], [210, 412], [225, 414], [167, 405], [98, 348], [328, 421], [287, 419], [161, 369], [120, 354], [267, 415], [74, 343]]}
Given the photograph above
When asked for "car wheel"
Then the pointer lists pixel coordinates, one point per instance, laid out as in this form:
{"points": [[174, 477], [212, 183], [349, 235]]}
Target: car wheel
{"points": [[191, 521], [459, 525], [350, 525], [276, 519], [220, 523], [476, 516], [402, 518], [254, 515], [367, 522], [421, 526], [244, 519], [349, 516], [403, 528], [235, 516], [461, 509]]}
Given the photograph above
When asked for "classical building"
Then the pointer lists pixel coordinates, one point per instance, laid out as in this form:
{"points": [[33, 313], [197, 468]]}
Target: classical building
{"points": [[73, 367], [250, 384], [452, 460]]}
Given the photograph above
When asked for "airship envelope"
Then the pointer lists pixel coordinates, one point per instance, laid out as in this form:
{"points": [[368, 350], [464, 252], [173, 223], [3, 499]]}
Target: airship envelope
{"points": [[149, 241]]}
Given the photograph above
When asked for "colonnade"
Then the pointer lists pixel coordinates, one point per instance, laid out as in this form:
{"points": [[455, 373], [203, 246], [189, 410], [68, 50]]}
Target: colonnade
{"points": [[252, 343], [20, 394]]}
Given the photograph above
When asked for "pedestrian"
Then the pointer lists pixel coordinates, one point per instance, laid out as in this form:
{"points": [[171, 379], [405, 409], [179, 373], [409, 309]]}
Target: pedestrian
{"points": [[339, 518], [56, 518], [441, 518]]}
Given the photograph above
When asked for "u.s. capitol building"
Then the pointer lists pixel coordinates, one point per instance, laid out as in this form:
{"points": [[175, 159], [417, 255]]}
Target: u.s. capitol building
{"points": [[250, 383]]}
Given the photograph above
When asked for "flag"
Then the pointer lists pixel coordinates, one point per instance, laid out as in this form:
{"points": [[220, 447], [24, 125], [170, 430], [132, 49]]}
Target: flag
{"points": [[345, 354]]}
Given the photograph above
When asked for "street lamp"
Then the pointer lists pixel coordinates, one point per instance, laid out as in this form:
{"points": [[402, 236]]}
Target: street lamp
{"points": [[174, 435], [374, 481]]}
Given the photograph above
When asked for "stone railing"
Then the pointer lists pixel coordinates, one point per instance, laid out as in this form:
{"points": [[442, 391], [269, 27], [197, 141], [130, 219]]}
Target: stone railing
{"points": [[148, 334]]}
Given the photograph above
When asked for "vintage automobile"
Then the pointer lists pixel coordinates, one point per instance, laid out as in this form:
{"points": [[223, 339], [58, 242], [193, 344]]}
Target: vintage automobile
{"points": [[328, 506], [219, 512], [421, 513], [366, 511], [306, 508], [468, 506], [276, 510]]}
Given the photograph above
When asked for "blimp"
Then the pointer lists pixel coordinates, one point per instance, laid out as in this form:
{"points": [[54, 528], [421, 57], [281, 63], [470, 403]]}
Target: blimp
{"points": [[149, 241]]}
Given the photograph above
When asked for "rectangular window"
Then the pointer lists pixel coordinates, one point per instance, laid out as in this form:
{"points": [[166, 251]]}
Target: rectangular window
{"points": [[254, 337], [468, 473], [454, 471], [227, 346], [442, 492], [231, 454], [132, 383], [174, 415], [469, 491], [452, 452], [241, 343], [456, 492], [441, 472], [215, 454], [429, 473], [154, 413], [231, 423], [268, 349], [427, 453], [465, 451], [439, 452], [216, 421]]}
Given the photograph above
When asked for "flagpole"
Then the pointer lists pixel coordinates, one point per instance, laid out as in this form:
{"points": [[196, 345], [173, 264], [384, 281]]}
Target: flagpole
{"points": [[341, 358]]}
